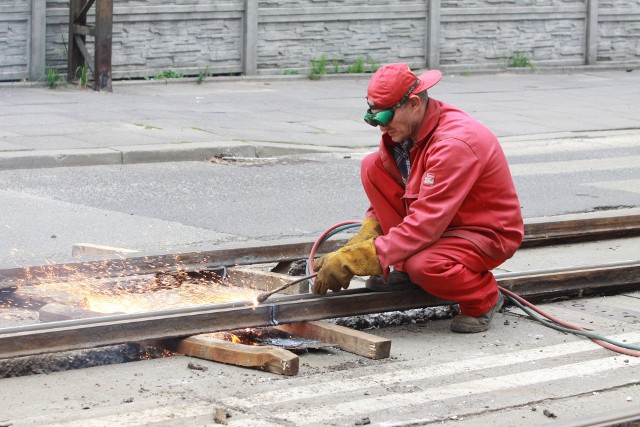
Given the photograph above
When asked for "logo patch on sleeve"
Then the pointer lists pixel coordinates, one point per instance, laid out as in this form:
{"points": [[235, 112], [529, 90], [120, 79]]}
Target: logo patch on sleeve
{"points": [[429, 179]]}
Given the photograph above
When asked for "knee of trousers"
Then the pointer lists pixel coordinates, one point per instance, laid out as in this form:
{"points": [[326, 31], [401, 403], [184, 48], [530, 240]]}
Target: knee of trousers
{"points": [[447, 278], [434, 273]]}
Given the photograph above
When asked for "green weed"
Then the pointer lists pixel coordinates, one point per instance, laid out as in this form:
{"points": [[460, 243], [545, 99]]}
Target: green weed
{"points": [[53, 77], [82, 75], [356, 67], [168, 74], [203, 75], [519, 59], [318, 67], [374, 65], [336, 66]]}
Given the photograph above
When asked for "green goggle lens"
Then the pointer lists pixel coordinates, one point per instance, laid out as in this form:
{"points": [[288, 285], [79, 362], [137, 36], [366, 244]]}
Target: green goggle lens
{"points": [[381, 118]]}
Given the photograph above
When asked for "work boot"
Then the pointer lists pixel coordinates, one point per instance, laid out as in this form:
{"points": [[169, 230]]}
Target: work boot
{"points": [[398, 281], [469, 324]]}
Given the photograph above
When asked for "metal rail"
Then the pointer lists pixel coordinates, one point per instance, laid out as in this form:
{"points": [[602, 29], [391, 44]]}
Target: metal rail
{"points": [[536, 234], [115, 329]]}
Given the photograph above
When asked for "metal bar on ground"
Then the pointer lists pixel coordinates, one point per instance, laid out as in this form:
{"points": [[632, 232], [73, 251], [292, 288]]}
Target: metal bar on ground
{"points": [[538, 234], [173, 323]]}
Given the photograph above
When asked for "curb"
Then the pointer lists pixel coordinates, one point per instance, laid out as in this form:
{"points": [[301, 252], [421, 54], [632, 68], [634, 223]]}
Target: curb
{"points": [[155, 153]]}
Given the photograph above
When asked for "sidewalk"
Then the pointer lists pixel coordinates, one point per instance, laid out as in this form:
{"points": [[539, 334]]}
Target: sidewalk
{"points": [[158, 121]]}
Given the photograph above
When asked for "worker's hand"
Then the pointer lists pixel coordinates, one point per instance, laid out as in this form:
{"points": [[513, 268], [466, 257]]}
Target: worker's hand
{"points": [[335, 270], [369, 228]]}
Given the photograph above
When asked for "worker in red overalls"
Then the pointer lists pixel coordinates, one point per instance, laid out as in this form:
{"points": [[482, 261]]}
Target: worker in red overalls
{"points": [[443, 207]]}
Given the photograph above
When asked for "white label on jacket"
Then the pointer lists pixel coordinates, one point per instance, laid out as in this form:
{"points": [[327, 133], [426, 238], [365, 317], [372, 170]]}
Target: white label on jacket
{"points": [[429, 179]]}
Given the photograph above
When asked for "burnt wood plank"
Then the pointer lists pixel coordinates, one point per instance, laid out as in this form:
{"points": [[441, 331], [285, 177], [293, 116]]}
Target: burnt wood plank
{"points": [[267, 358]]}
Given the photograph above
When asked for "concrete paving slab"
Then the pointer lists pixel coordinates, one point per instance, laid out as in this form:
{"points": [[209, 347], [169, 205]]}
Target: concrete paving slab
{"points": [[571, 102], [59, 225]]}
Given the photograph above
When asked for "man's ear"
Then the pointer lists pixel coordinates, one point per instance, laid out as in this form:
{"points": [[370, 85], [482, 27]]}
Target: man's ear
{"points": [[415, 101]]}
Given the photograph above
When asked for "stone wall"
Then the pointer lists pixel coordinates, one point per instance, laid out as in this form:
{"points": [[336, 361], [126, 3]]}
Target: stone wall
{"points": [[278, 36]]}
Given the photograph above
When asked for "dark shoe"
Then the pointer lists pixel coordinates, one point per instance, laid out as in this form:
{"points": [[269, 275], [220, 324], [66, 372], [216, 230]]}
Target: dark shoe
{"points": [[398, 281], [469, 324]]}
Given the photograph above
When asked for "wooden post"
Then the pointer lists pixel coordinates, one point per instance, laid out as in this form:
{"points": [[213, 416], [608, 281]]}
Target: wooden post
{"points": [[79, 56], [103, 44], [75, 58]]}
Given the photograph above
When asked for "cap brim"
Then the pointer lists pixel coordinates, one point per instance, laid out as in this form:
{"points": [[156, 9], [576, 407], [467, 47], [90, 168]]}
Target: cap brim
{"points": [[428, 80]]}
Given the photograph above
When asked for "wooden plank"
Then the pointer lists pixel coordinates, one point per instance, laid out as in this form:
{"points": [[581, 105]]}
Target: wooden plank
{"points": [[82, 250], [82, 14], [80, 45], [84, 30], [267, 358], [357, 342], [75, 57]]}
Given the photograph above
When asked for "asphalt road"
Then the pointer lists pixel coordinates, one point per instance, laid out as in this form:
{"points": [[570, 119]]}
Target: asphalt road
{"points": [[184, 206]]}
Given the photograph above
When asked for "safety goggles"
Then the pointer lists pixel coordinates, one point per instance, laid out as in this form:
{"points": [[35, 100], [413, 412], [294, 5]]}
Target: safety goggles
{"points": [[384, 117]]}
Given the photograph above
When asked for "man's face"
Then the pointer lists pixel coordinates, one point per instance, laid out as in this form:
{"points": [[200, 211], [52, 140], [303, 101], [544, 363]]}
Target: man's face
{"points": [[402, 126]]}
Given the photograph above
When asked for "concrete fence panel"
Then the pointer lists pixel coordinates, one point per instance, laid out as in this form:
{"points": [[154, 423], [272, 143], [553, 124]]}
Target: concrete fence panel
{"points": [[292, 33], [15, 39], [197, 37]]}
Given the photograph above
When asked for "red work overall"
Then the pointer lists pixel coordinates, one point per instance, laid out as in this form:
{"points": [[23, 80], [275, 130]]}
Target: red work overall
{"points": [[457, 217]]}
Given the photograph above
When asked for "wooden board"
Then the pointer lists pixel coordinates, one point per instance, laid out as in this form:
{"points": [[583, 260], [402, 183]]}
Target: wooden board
{"points": [[267, 358], [357, 342]]}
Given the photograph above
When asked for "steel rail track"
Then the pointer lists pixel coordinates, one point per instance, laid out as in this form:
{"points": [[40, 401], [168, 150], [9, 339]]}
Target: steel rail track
{"points": [[115, 329], [540, 233]]}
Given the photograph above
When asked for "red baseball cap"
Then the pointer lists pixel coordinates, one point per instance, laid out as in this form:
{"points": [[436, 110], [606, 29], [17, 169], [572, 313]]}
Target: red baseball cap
{"points": [[391, 83]]}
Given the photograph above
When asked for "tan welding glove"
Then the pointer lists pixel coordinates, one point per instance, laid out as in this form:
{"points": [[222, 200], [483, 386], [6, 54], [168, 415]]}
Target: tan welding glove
{"points": [[335, 270], [369, 228]]}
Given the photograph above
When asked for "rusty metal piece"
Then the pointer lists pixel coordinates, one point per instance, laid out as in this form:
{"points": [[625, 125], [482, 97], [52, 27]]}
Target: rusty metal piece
{"points": [[263, 296], [114, 329]]}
